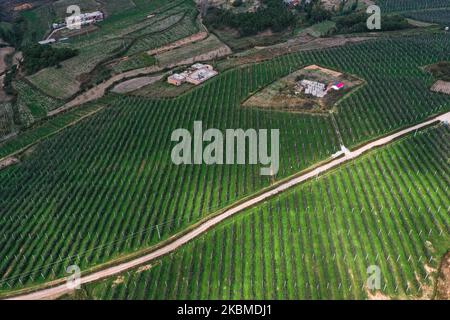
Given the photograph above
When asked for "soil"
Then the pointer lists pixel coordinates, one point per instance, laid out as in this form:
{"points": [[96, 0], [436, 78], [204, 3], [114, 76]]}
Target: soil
{"points": [[441, 87], [285, 95], [443, 281], [377, 295], [8, 162]]}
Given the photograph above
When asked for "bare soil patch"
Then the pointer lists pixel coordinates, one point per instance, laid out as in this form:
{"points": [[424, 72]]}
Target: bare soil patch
{"points": [[135, 84], [443, 281], [377, 295], [8, 162], [287, 94], [207, 49], [441, 87]]}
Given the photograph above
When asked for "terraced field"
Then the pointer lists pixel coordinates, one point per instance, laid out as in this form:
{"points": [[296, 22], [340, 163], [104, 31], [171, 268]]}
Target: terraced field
{"points": [[179, 29], [127, 33], [388, 209], [35, 101], [64, 82], [99, 189]]}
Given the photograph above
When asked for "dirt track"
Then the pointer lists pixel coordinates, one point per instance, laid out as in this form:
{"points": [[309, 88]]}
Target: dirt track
{"points": [[177, 242]]}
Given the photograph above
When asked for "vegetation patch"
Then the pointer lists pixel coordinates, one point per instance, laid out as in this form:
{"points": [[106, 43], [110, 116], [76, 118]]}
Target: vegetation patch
{"points": [[357, 22], [273, 14], [38, 57], [312, 89], [440, 70]]}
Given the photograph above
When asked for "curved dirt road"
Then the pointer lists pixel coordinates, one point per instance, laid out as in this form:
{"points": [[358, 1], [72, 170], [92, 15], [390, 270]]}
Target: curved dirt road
{"points": [[60, 290]]}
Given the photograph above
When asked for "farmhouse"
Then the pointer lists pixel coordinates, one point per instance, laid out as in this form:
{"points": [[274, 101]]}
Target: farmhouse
{"points": [[176, 79], [317, 89], [196, 74], [314, 88], [83, 19]]}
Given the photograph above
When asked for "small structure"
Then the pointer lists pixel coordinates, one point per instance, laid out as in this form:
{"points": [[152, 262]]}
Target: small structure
{"points": [[58, 25], [196, 74], [337, 86], [48, 41], [314, 88], [176, 79], [85, 18]]}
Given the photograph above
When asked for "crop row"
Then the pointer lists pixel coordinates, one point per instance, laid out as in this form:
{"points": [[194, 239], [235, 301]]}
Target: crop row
{"points": [[107, 186], [408, 5], [389, 210]]}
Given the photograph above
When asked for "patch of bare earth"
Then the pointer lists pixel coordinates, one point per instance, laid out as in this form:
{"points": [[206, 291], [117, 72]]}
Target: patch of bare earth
{"points": [[8, 162], [286, 95], [118, 280], [377, 295], [441, 87], [135, 84], [144, 268], [443, 280]]}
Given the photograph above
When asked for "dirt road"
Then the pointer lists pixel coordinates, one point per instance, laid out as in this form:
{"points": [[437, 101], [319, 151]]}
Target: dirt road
{"points": [[62, 289]]}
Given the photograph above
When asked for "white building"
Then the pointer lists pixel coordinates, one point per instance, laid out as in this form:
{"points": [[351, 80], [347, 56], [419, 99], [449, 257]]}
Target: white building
{"points": [[196, 74], [314, 88], [85, 18]]}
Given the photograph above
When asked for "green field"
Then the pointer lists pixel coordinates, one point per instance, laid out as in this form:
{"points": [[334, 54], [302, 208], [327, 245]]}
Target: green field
{"points": [[35, 101], [42, 130], [439, 16], [316, 241], [408, 5], [97, 190]]}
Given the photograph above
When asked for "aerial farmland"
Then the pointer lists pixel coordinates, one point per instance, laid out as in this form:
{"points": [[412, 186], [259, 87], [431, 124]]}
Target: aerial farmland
{"points": [[225, 150]]}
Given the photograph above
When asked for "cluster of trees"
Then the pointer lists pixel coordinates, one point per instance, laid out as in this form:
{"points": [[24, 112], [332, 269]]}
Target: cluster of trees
{"points": [[273, 14], [357, 22], [14, 34], [315, 12], [440, 70], [37, 57]]}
